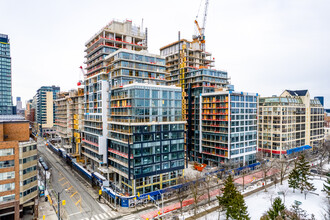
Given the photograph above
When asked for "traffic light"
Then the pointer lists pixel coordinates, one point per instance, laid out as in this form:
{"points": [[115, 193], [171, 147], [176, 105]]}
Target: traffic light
{"points": [[138, 194], [148, 197], [100, 192], [63, 202]]}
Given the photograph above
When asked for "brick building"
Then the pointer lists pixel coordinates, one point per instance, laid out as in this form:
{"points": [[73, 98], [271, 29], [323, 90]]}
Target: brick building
{"points": [[18, 167]]}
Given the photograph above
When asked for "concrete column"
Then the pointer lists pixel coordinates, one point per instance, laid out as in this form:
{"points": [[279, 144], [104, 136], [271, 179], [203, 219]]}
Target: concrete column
{"points": [[16, 216], [119, 181]]}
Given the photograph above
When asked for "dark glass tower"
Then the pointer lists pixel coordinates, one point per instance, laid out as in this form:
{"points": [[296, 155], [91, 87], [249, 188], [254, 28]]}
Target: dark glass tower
{"points": [[6, 105]]}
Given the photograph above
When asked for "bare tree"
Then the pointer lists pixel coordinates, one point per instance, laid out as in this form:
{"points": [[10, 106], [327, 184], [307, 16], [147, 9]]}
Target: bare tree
{"points": [[225, 168], [243, 173], [283, 165], [208, 184], [284, 191], [197, 190], [182, 193], [323, 153], [265, 166]]}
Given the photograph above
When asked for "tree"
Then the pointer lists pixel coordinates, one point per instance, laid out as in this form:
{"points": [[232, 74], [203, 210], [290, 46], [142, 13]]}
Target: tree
{"points": [[265, 166], [196, 190], [323, 153], [296, 213], [243, 173], [181, 193], [326, 186], [283, 165], [232, 201], [294, 177], [208, 181], [304, 173], [276, 210]]}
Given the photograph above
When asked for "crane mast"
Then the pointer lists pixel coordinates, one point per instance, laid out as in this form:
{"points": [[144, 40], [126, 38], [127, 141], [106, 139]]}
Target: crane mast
{"points": [[201, 30]]}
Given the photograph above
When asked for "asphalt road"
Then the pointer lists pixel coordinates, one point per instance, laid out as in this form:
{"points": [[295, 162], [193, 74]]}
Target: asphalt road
{"points": [[79, 203]]}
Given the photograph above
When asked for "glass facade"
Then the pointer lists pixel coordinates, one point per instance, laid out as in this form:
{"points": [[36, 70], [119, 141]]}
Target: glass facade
{"points": [[6, 105], [42, 102], [229, 128], [146, 133]]}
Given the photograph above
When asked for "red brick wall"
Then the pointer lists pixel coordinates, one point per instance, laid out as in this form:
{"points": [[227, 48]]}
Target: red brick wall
{"points": [[15, 157], [12, 131]]}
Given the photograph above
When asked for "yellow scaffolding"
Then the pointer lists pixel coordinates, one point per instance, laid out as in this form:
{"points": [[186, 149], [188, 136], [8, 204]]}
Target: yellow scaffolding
{"points": [[182, 78]]}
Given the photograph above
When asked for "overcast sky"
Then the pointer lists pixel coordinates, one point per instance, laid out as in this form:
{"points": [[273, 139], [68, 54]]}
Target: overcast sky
{"points": [[265, 45]]}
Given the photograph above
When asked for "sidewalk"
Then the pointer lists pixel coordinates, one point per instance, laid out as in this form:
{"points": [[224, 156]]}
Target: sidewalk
{"points": [[256, 176], [45, 209]]}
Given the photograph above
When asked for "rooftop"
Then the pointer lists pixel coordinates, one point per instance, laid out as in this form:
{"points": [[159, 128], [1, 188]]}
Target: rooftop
{"points": [[297, 92], [8, 118], [4, 38], [152, 85]]}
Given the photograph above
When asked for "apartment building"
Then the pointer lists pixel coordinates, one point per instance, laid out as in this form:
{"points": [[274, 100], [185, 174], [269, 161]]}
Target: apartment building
{"points": [[289, 123], [18, 167], [146, 133], [30, 112], [45, 111], [190, 68], [6, 102], [61, 119], [109, 39], [69, 108], [228, 128]]}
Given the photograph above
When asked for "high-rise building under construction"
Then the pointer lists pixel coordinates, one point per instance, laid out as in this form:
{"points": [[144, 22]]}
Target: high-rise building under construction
{"points": [[109, 39], [206, 105], [133, 127]]}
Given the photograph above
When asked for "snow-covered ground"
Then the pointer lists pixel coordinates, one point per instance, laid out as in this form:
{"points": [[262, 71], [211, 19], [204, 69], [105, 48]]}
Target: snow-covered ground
{"points": [[326, 167], [258, 203]]}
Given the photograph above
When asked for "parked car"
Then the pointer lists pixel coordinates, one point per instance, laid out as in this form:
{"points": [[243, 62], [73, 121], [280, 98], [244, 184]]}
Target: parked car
{"points": [[314, 171]]}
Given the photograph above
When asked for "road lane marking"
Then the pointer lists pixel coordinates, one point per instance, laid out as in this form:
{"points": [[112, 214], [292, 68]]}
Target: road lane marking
{"points": [[77, 202], [111, 214], [61, 179], [73, 194], [69, 188], [65, 183], [74, 213], [97, 218], [104, 215]]}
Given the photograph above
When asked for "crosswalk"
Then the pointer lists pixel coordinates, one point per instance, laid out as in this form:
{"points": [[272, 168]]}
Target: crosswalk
{"points": [[130, 217], [112, 215], [103, 216]]}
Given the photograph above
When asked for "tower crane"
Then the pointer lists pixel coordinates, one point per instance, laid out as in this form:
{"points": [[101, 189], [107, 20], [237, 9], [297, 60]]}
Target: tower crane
{"points": [[201, 30], [84, 76]]}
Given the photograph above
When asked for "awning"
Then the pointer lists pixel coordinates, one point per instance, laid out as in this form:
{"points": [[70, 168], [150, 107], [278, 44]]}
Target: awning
{"points": [[298, 149]]}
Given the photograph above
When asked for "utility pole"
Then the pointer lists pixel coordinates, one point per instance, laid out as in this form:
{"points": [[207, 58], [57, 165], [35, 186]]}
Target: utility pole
{"points": [[45, 180], [162, 203], [58, 206]]}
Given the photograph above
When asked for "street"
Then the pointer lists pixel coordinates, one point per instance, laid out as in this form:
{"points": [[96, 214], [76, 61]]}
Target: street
{"points": [[79, 203]]}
